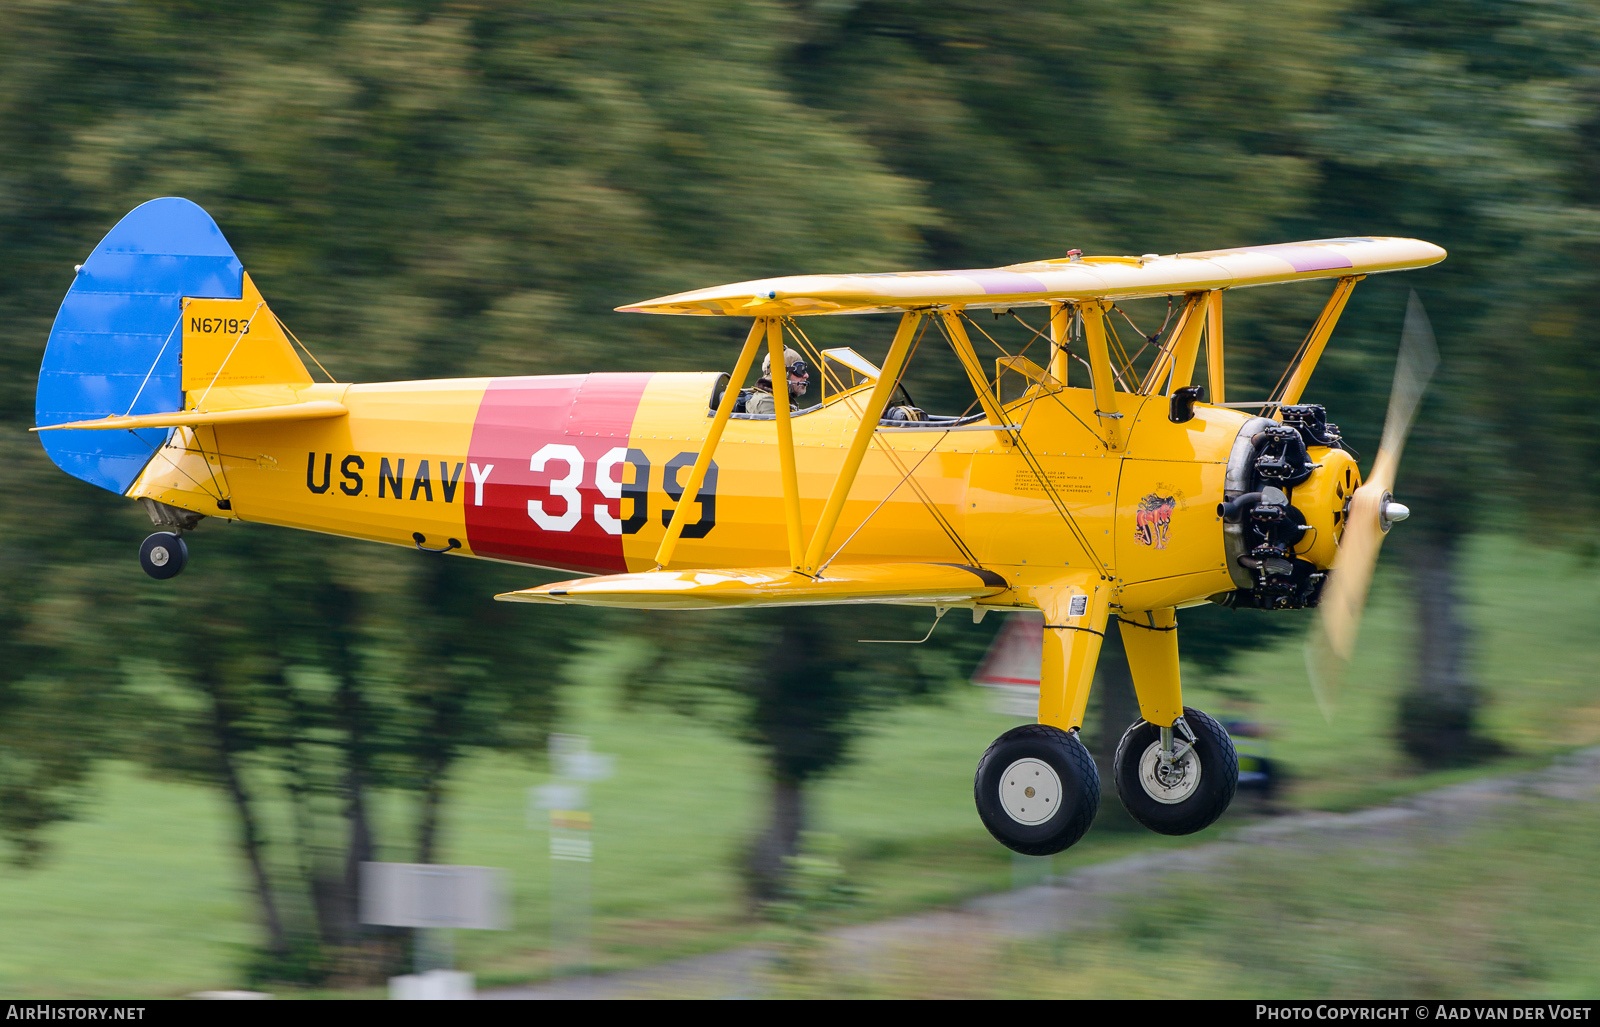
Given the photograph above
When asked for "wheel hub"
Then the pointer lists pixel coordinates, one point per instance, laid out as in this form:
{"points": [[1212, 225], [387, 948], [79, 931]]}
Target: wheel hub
{"points": [[1030, 791], [159, 556], [1169, 781]]}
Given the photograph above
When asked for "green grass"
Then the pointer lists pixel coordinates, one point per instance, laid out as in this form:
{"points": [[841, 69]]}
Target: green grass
{"points": [[143, 895], [1510, 910]]}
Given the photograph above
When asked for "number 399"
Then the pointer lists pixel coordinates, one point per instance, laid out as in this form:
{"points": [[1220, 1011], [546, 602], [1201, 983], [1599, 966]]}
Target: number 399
{"points": [[607, 479]]}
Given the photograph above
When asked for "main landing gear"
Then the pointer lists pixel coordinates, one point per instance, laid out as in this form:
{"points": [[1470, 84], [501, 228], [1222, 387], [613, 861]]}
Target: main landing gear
{"points": [[1175, 769], [1179, 779], [1037, 789], [163, 555]]}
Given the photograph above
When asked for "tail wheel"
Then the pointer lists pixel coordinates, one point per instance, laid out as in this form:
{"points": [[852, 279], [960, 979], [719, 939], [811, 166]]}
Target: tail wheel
{"points": [[1037, 789], [163, 555], [1186, 792]]}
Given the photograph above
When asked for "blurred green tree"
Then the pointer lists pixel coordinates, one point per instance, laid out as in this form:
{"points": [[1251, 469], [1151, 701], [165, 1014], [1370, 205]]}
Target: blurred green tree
{"points": [[1454, 122], [306, 685], [797, 684]]}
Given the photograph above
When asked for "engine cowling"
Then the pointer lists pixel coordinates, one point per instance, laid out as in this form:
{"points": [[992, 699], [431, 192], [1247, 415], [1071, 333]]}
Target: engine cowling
{"points": [[1287, 495], [1324, 498]]}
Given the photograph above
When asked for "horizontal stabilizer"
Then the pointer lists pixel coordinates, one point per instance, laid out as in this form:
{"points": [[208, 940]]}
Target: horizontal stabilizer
{"points": [[308, 411], [906, 583]]}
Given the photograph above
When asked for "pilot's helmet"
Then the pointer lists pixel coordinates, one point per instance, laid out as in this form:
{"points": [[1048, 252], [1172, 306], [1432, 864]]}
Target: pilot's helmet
{"points": [[799, 374]]}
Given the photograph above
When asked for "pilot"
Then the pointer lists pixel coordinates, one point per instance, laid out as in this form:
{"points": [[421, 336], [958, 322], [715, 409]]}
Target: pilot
{"points": [[759, 400]]}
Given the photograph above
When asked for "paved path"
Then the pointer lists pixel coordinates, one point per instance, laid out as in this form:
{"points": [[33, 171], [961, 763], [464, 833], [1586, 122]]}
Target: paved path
{"points": [[1085, 897]]}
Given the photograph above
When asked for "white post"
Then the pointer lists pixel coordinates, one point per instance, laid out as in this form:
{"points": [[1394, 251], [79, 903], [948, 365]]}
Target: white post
{"points": [[571, 849]]}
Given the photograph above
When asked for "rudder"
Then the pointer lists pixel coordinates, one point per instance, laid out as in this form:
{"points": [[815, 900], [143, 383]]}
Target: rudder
{"points": [[123, 343]]}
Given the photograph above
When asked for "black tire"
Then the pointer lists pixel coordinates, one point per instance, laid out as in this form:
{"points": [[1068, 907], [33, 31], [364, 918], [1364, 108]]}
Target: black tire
{"points": [[1075, 790], [163, 555], [1218, 776]]}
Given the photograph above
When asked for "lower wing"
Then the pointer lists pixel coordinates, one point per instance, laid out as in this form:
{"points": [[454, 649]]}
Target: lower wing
{"points": [[724, 588]]}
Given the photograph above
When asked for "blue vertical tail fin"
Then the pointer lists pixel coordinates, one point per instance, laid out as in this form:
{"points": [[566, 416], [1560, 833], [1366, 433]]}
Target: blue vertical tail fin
{"points": [[118, 337]]}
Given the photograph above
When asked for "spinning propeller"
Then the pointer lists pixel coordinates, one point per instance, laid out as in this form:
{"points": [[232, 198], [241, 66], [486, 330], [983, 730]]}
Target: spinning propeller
{"points": [[1371, 512]]}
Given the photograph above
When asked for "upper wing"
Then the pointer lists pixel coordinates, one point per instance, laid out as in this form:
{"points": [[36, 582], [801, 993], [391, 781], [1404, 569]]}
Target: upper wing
{"points": [[1052, 281], [915, 583]]}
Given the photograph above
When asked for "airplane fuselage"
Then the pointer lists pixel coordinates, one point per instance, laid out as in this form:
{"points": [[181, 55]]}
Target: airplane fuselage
{"points": [[582, 472]]}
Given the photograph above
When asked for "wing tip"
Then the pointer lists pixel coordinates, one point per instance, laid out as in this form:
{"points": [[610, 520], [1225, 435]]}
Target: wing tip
{"points": [[526, 595]]}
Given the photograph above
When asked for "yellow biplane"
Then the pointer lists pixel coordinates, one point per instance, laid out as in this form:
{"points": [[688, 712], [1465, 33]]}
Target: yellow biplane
{"points": [[1072, 485]]}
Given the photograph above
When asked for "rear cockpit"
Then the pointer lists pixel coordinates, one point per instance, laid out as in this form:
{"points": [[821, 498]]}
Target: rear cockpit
{"points": [[846, 376]]}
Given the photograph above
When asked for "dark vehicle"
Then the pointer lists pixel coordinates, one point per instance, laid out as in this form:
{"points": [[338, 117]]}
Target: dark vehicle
{"points": [[1258, 773]]}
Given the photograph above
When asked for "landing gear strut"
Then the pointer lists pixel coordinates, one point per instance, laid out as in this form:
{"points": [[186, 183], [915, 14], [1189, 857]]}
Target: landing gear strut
{"points": [[1037, 789], [163, 555]]}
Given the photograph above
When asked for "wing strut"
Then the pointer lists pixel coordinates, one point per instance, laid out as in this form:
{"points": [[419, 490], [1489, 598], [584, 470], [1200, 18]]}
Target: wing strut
{"points": [[893, 364], [1311, 350], [1214, 366], [1060, 329], [956, 334], [1105, 396], [730, 396], [1177, 358], [780, 402]]}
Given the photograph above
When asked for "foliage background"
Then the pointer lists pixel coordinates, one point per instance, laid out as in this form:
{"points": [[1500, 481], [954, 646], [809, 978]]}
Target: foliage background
{"points": [[451, 188]]}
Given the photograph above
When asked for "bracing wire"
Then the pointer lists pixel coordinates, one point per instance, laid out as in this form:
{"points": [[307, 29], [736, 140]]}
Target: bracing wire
{"points": [[231, 350], [1115, 349], [1299, 354], [155, 451], [1094, 434], [1060, 505], [1033, 461], [890, 495], [976, 400], [1161, 367], [814, 354], [1149, 340], [303, 346], [938, 615], [154, 363], [894, 458]]}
